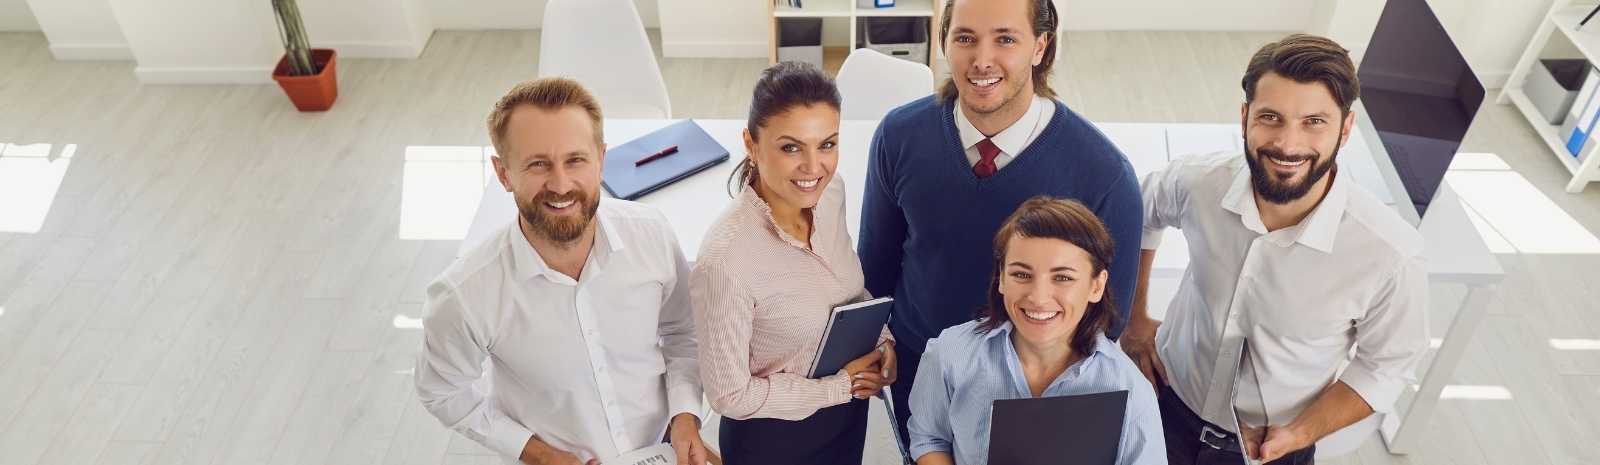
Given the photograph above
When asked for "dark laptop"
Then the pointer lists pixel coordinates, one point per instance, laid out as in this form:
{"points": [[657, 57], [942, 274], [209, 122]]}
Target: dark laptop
{"points": [[1066, 430], [1420, 97]]}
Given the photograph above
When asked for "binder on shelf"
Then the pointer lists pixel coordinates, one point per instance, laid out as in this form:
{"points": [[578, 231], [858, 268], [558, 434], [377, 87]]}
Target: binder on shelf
{"points": [[1584, 124]]}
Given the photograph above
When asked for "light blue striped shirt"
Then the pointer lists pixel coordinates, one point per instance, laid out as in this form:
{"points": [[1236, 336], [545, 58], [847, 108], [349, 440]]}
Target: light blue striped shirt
{"points": [[962, 373]]}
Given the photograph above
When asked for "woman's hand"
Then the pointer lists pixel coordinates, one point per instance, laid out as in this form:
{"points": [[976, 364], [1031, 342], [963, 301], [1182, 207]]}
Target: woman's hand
{"points": [[866, 377]]}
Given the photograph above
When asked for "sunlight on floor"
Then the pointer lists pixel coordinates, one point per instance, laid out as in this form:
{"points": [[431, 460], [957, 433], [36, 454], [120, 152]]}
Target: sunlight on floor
{"points": [[29, 178], [1475, 392], [1575, 344], [440, 189], [1511, 214], [405, 322]]}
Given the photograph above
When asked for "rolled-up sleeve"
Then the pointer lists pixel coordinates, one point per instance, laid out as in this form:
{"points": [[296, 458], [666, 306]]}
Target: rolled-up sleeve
{"points": [[455, 344], [677, 336], [1164, 199], [930, 407], [1392, 339], [724, 315]]}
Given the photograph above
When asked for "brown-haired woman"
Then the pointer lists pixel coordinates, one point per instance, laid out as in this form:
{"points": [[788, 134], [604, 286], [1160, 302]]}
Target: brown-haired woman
{"points": [[769, 272], [1042, 335]]}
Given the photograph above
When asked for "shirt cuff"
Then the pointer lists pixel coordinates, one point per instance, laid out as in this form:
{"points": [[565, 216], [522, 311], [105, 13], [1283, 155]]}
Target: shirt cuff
{"points": [[921, 448], [1151, 239], [839, 387], [683, 398], [507, 437], [1379, 391]]}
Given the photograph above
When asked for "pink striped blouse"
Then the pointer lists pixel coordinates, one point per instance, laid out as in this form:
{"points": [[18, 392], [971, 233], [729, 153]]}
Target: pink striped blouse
{"points": [[761, 301]]}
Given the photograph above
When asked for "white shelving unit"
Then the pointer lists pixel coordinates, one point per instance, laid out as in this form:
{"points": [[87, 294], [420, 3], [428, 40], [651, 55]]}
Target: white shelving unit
{"points": [[1563, 18], [849, 12]]}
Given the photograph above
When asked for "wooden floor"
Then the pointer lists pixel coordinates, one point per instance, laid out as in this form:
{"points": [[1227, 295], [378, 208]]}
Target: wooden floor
{"points": [[220, 280]]}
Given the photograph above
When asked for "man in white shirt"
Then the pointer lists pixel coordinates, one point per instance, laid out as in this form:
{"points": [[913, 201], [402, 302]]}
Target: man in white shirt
{"points": [[1287, 254], [568, 337]]}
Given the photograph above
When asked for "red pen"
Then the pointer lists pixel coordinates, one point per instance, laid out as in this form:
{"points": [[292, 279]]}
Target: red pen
{"points": [[656, 156]]}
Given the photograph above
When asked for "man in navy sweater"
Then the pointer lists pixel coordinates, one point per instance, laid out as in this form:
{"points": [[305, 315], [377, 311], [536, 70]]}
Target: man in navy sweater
{"points": [[945, 170]]}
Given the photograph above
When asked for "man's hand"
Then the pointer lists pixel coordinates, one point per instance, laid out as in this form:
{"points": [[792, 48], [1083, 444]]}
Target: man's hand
{"points": [[866, 375], [889, 370], [536, 452], [1139, 342], [686, 441], [1281, 441]]}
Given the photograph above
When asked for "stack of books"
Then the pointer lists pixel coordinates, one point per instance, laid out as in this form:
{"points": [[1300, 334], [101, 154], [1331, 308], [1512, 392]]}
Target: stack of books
{"points": [[1585, 113]]}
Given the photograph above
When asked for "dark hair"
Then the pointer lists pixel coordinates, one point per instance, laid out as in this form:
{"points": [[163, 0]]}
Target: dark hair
{"points": [[1042, 13], [1067, 220], [782, 87], [1306, 58]]}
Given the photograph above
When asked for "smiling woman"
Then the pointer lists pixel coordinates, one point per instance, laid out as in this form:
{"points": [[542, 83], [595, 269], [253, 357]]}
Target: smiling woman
{"points": [[1042, 335]]}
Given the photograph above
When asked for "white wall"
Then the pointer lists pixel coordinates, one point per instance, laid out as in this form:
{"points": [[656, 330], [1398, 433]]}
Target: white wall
{"points": [[1490, 33], [518, 14], [15, 16], [209, 42], [1186, 15], [715, 28], [81, 29], [368, 28]]}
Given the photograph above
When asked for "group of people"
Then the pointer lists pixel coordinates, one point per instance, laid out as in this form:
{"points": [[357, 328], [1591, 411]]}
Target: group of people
{"points": [[1015, 239]]}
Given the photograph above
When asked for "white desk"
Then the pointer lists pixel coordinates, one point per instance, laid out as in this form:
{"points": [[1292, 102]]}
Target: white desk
{"points": [[1455, 251]]}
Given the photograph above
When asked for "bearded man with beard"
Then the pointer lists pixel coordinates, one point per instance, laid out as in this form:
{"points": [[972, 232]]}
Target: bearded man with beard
{"points": [[580, 308], [1289, 255]]}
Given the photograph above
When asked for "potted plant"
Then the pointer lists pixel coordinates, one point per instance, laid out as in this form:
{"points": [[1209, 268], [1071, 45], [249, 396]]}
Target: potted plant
{"points": [[306, 74]]}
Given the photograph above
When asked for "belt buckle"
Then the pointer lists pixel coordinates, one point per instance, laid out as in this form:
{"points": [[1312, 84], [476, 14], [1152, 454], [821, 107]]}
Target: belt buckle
{"points": [[1214, 438]]}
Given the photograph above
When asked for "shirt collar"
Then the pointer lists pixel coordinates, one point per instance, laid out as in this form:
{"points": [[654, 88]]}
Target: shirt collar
{"points": [[754, 202], [1010, 140], [1316, 231], [1102, 344], [529, 264]]}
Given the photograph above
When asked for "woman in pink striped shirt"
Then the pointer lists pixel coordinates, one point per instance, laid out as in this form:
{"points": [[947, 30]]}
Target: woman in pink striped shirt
{"points": [[768, 274]]}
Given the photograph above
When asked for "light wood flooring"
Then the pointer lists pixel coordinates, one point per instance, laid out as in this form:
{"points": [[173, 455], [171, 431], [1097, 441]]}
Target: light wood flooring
{"points": [[219, 278]]}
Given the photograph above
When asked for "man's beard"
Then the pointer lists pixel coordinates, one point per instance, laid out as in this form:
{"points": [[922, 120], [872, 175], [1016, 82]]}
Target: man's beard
{"points": [[1273, 188], [559, 228]]}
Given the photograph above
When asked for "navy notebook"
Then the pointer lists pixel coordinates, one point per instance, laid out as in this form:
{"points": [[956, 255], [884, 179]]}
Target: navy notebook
{"points": [[1066, 430], [852, 331], [696, 151]]}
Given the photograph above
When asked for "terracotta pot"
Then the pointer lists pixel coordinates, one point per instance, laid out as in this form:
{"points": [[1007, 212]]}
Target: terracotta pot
{"points": [[315, 92]]}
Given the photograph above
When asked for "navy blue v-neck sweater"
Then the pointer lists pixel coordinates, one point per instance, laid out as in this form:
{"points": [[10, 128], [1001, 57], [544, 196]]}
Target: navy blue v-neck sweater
{"points": [[928, 222]]}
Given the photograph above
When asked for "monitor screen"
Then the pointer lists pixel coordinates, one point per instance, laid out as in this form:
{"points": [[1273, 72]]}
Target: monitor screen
{"points": [[1420, 95]]}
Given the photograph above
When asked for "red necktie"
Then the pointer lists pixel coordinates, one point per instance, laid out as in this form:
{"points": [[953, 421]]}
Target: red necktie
{"points": [[986, 151]]}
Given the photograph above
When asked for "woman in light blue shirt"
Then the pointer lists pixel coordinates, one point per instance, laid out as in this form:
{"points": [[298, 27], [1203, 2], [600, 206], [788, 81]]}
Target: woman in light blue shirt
{"points": [[1043, 335]]}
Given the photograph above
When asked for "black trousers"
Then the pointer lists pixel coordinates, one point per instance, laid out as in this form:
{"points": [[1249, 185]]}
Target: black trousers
{"points": [[1184, 447], [833, 435]]}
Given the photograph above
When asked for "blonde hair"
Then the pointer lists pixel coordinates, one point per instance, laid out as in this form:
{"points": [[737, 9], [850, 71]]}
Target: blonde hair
{"points": [[552, 93]]}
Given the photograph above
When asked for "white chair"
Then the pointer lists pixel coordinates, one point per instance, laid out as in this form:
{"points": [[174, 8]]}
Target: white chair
{"points": [[872, 83], [602, 44]]}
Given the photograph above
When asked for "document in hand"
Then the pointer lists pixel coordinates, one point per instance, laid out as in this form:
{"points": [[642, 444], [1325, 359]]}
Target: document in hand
{"points": [[1066, 430], [852, 331], [659, 454], [667, 155]]}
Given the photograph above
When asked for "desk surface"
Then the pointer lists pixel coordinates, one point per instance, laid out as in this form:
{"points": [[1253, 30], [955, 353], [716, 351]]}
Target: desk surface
{"points": [[1455, 251]]}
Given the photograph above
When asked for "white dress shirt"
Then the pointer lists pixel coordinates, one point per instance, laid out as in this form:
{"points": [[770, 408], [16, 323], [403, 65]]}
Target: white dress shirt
{"points": [[1350, 274], [594, 366], [1011, 140]]}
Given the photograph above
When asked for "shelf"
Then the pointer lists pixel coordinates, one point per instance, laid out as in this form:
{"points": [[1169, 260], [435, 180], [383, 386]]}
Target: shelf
{"points": [[912, 8], [1587, 40], [1547, 131], [815, 9]]}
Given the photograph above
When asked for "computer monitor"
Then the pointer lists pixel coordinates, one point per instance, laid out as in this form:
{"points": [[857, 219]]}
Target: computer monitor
{"points": [[1418, 96]]}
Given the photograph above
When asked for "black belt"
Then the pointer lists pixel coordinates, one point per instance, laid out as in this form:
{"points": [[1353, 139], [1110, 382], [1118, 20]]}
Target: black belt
{"points": [[1219, 439]]}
